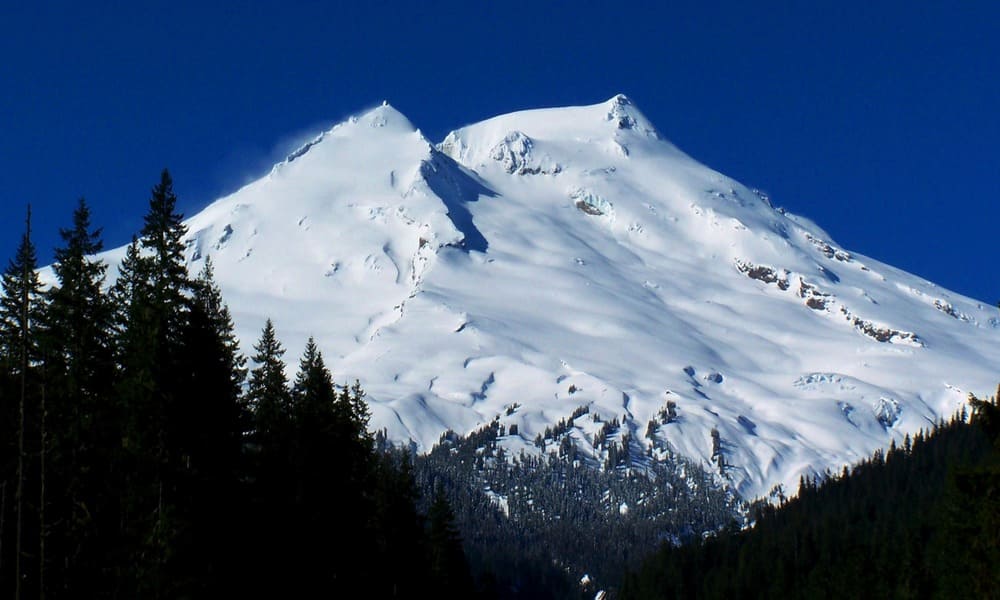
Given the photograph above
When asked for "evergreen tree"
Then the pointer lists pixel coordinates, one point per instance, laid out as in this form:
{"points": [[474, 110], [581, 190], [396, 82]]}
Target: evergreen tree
{"points": [[21, 315], [79, 368], [21, 306], [139, 468], [316, 436], [139, 553], [161, 237], [449, 571], [153, 309], [399, 528], [333, 480], [267, 392], [272, 548], [313, 392], [208, 423], [899, 525]]}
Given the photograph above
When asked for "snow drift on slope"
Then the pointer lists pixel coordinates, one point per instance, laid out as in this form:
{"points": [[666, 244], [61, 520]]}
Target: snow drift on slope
{"points": [[550, 259]]}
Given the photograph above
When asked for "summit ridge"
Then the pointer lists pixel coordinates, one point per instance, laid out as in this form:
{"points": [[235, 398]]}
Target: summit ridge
{"points": [[551, 259]]}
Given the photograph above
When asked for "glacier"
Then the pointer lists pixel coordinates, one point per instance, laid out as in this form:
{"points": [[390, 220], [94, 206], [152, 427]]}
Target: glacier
{"points": [[551, 259]]}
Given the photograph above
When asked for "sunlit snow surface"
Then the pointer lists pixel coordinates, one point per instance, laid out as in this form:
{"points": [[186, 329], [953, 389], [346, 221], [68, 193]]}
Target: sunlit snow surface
{"points": [[566, 257]]}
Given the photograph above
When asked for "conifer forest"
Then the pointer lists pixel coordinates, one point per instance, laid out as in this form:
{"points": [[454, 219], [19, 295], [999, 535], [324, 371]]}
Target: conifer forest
{"points": [[143, 456]]}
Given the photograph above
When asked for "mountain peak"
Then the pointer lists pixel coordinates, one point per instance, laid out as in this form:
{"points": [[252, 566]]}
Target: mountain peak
{"points": [[538, 140], [386, 116], [382, 120], [623, 112], [575, 261]]}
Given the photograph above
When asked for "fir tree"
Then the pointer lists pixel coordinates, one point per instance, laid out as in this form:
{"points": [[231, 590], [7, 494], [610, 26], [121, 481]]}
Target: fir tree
{"points": [[399, 528], [141, 452], [21, 313], [79, 368], [449, 571], [208, 427], [313, 392], [21, 306], [153, 310], [267, 392], [161, 237], [272, 485], [333, 479]]}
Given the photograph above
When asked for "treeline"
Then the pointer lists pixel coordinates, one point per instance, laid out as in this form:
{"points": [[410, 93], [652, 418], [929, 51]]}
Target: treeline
{"points": [[140, 457], [918, 521]]}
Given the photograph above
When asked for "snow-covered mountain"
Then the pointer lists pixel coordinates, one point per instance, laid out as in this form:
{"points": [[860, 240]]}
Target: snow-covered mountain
{"points": [[550, 259]]}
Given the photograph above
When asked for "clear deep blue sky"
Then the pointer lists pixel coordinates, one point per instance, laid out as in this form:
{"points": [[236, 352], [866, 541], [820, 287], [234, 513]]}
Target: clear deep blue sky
{"points": [[882, 123]]}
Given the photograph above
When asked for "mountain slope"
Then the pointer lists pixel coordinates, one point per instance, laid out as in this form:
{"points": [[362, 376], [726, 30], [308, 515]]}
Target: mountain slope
{"points": [[550, 259]]}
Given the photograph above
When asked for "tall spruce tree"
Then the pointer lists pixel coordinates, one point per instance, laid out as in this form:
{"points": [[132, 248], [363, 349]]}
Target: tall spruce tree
{"points": [[79, 368], [315, 436], [449, 570], [129, 294], [399, 534], [161, 237], [21, 306], [267, 392], [153, 308], [209, 426], [313, 393], [273, 547], [332, 497], [21, 314]]}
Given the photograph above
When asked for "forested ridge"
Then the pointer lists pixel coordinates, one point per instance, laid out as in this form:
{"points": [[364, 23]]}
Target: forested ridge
{"points": [[540, 524], [918, 521], [142, 456]]}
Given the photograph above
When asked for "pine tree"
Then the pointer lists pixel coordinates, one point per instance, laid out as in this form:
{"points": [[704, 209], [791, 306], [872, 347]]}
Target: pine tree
{"points": [[213, 371], [21, 306], [269, 399], [449, 570], [333, 479], [399, 528], [21, 314], [209, 424], [318, 435], [141, 418], [267, 392], [79, 368], [313, 392], [153, 308], [161, 237]]}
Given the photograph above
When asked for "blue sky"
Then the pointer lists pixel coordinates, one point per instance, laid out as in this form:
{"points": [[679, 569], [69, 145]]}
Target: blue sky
{"points": [[880, 123]]}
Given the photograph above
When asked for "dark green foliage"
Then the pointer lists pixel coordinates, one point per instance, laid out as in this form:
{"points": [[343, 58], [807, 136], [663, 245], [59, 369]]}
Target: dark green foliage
{"points": [[533, 526], [267, 393], [919, 521], [21, 305], [208, 447], [323, 439], [134, 464], [161, 237], [22, 405], [78, 370], [968, 545], [449, 571], [154, 310], [398, 529]]}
